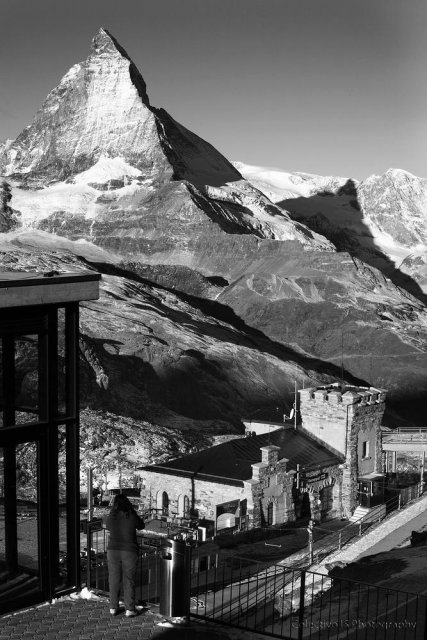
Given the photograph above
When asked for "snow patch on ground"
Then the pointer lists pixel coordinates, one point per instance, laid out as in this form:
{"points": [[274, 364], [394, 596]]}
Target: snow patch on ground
{"points": [[106, 169], [44, 241], [275, 184], [34, 206], [78, 197]]}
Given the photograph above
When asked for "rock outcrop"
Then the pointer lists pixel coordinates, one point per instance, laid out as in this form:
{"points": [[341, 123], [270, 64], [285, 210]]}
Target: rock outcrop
{"points": [[215, 300]]}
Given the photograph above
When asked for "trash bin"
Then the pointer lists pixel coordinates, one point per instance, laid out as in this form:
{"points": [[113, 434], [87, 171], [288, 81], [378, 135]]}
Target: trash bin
{"points": [[175, 579]]}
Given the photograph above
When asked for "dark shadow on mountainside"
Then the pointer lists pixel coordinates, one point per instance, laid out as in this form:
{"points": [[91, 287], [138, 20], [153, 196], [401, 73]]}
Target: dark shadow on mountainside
{"points": [[343, 236]]}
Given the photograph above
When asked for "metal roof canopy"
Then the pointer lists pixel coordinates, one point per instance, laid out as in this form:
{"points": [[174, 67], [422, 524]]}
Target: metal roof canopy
{"points": [[232, 461], [23, 289]]}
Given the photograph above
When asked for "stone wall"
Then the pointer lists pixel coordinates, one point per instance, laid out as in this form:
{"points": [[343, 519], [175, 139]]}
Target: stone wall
{"points": [[325, 416], [270, 488], [203, 496], [344, 418], [271, 484]]}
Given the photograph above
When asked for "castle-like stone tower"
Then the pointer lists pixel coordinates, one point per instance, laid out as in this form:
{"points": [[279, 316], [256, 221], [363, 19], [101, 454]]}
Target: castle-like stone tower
{"points": [[348, 420]]}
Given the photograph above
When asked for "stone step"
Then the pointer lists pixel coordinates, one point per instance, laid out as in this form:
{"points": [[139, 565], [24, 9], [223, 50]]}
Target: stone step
{"points": [[366, 514], [359, 513]]}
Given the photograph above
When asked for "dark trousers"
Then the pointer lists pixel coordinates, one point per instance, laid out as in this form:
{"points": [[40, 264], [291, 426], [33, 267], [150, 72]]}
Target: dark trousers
{"points": [[122, 570]]}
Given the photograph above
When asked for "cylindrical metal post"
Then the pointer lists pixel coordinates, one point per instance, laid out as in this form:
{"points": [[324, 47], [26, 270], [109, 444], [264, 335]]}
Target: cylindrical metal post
{"points": [[175, 580], [89, 531]]}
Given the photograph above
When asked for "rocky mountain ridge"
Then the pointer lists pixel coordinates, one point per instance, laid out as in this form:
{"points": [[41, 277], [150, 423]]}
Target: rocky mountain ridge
{"points": [[98, 147], [215, 299], [382, 219]]}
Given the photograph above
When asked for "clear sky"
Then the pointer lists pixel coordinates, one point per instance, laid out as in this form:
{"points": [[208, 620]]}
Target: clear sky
{"points": [[324, 86]]}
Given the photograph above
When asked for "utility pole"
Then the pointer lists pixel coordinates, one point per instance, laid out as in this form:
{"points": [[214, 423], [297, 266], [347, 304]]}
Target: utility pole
{"points": [[295, 407]]}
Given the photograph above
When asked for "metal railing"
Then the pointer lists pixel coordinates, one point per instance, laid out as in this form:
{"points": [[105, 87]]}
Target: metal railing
{"points": [[325, 542], [322, 544], [294, 604], [270, 598], [148, 570]]}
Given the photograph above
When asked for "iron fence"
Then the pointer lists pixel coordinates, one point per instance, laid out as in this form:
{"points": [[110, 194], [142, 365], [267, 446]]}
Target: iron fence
{"points": [[325, 542], [273, 599], [297, 604], [95, 573]]}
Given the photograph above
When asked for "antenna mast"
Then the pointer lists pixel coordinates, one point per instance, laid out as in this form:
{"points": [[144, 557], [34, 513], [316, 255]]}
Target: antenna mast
{"points": [[295, 407], [342, 357]]}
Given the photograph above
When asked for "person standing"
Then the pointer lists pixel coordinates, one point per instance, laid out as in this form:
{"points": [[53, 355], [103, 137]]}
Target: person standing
{"points": [[122, 553]]}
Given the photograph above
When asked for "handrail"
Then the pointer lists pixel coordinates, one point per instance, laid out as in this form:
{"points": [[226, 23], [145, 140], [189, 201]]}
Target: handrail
{"points": [[360, 522]]}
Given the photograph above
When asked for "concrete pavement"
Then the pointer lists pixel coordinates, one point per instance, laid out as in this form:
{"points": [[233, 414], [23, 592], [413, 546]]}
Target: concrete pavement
{"points": [[74, 618]]}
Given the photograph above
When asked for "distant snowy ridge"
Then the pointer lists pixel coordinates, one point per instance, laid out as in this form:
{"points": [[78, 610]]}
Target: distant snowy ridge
{"points": [[386, 211]]}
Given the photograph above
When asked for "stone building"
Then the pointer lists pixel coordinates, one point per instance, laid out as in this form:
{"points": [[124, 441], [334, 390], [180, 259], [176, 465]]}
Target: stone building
{"points": [[326, 467], [259, 480], [348, 419]]}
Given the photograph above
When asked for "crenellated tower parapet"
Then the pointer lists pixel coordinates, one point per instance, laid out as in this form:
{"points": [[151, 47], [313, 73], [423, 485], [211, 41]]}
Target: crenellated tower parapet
{"points": [[348, 419]]}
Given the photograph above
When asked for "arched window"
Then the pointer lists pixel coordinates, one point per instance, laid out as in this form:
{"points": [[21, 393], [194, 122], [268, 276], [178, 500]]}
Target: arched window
{"points": [[165, 504], [270, 507]]}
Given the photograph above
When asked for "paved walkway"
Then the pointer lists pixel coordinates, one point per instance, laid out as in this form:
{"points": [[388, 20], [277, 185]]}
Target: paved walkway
{"points": [[80, 619], [77, 618]]}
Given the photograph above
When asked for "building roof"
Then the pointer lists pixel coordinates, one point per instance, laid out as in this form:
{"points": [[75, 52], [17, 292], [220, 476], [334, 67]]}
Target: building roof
{"points": [[23, 289], [231, 462]]}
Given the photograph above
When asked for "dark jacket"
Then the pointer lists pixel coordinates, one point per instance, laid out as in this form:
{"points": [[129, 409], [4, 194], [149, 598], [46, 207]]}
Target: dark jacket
{"points": [[122, 527]]}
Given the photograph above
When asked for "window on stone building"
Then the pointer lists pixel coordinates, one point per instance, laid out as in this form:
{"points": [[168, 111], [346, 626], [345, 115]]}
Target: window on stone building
{"points": [[270, 514], [165, 504], [365, 449]]}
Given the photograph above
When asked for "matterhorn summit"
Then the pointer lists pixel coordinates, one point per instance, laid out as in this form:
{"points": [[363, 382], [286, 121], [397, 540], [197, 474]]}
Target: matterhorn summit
{"points": [[100, 107], [99, 163]]}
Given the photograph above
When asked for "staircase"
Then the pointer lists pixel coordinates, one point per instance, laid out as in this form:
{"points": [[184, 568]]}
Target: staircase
{"points": [[366, 514]]}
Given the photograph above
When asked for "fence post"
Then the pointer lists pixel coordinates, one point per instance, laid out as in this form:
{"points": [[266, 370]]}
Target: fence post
{"points": [[301, 605], [310, 540], [88, 556], [399, 506], [189, 558]]}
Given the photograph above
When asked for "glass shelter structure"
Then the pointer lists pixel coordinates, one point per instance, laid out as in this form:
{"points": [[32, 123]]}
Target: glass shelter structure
{"points": [[39, 434]]}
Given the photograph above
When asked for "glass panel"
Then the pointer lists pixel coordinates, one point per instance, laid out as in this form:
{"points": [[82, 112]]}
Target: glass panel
{"points": [[62, 497], [19, 555], [2, 533], [61, 363], [26, 379], [27, 503], [1, 383]]}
